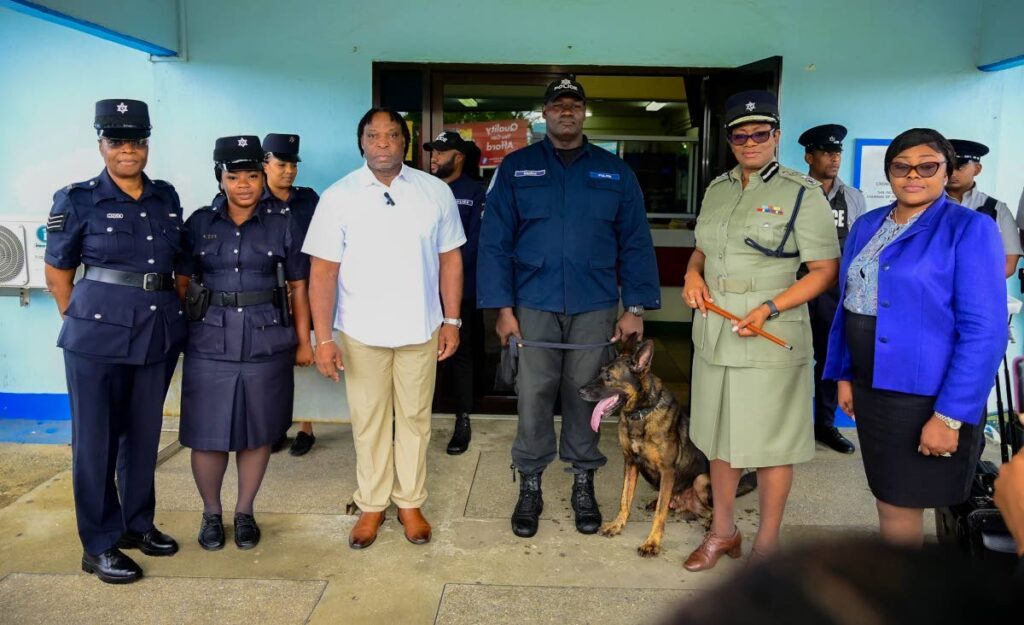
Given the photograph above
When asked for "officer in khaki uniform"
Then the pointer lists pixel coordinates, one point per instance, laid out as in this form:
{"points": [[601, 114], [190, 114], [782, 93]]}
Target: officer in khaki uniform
{"points": [[751, 400]]}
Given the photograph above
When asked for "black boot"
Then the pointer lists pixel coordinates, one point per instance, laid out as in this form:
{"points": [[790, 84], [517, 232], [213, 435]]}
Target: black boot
{"points": [[831, 437], [584, 504], [529, 507], [461, 436], [112, 567]]}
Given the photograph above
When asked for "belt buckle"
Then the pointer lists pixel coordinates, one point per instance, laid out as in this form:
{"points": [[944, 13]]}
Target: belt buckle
{"points": [[150, 281]]}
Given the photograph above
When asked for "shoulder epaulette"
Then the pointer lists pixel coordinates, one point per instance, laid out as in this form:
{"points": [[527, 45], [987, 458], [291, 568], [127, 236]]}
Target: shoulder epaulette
{"points": [[799, 178]]}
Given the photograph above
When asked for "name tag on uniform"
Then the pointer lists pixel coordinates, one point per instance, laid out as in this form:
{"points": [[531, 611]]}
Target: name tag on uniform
{"points": [[770, 210], [172, 214], [603, 175], [528, 173], [463, 202], [115, 215]]}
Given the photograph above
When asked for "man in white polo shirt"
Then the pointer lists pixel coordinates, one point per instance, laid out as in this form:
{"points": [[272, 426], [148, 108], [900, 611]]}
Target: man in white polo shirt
{"points": [[382, 240]]}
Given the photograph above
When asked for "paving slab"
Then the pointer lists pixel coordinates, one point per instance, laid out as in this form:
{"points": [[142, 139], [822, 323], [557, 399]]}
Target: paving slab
{"points": [[25, 466], [464, 604], [28, 599]]}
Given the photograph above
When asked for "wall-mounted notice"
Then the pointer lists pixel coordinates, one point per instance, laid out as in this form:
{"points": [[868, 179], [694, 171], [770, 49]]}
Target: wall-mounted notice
{"points": [[869, 172]]}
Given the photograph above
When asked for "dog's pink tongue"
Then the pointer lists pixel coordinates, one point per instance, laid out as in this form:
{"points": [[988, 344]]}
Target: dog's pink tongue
{"points": [[599, 410]]}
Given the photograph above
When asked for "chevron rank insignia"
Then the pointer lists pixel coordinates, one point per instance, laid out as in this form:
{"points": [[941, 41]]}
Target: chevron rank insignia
{"points": [[56, 223]]}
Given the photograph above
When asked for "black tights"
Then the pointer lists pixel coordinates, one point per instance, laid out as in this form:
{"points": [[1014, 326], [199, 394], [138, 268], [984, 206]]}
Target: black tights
{"points": [[208, 469]]}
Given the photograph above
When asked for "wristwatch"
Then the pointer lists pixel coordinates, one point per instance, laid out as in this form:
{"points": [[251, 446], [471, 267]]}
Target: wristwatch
{"points": [[952, 424], [637, 310], [448, 321], [773, 311]]}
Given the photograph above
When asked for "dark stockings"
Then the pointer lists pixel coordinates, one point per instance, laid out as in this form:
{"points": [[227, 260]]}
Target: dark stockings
{"points": [[208, 469]]}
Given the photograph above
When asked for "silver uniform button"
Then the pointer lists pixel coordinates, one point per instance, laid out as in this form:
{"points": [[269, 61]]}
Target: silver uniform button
{"points": [[270, 253], [239, 310], [97, 316], [236, 268], [142, 214], [149, 237], [109, 229], [152, 307], [236, 251], [151, 261], [237, 233]]}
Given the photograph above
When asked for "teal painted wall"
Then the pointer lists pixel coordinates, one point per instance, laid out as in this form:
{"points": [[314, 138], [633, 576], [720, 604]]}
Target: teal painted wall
{"points": [[266, 66], [1001, 37], [153, 21]]}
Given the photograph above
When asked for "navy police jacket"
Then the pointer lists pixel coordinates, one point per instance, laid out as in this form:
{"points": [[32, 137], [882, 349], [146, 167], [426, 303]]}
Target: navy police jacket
{"points": [[470, 197], [96, 223], [556, 238], [238, 258]]}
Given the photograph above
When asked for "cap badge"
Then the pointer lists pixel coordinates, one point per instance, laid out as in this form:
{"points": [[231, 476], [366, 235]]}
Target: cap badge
{"points": [[122, 108], [566, 84], [750, 106], [242, 142], [832, 139], [443, 138], [291, 139]]}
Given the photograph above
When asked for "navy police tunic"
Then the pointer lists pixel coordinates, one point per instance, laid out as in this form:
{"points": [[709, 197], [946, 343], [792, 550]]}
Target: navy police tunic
{"points": [[121, 344], [238, 384]]}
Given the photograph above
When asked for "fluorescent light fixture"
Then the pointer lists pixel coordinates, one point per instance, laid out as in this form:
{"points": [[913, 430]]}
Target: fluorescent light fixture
{"points": [[589, 113], [467, 102], [655, 106]]}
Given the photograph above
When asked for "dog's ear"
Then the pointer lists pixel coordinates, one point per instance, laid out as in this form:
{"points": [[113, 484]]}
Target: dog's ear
{"points": [[629, 344], [643, 356]]}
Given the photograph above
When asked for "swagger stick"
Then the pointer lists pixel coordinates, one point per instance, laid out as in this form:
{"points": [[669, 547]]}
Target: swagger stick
{"points": [[757, 331]]}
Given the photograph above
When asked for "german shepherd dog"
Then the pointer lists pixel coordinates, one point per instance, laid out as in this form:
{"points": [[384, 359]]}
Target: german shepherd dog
{"points": [[654, 434]]}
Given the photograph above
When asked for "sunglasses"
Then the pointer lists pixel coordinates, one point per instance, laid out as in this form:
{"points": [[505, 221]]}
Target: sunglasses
{"points": [[120, 143], [925, 170], [740, 138]]}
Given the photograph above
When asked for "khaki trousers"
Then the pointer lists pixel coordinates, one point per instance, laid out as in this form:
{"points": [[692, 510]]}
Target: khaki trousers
{"points": [[381, 381]]}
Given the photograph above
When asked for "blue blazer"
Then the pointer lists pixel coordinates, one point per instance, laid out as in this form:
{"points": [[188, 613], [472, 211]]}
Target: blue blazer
{"points": [[942, 317]]}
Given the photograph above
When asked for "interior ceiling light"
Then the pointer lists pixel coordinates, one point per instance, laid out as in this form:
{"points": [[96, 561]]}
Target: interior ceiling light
{"points": [[655, 106], [590, 113], [468, 102]]}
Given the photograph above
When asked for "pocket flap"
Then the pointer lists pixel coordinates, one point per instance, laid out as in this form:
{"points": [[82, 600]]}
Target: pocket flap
{"points": [[522, 182], [111, 226], [102, 312], [214, 317], [529, 260], [605, 184], [211, 247], [602, 263], [264, 317]]}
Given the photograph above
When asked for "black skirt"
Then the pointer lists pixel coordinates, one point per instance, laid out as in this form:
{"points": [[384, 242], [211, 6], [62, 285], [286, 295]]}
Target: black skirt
{"points": [[228, 406], [889, 426]]}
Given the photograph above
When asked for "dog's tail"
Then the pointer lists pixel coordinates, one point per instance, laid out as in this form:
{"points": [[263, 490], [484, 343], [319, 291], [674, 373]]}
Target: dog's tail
{"points": [[747, 483]]}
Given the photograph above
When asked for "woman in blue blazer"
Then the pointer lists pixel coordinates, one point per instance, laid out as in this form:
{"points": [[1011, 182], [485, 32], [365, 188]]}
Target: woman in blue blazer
{"points": [[919, 336]]}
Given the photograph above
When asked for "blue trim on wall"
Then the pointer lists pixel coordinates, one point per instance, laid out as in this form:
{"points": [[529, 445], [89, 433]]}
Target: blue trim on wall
{"points": [[35, 432], [35, 406], [857, 145], [48, 14], [1013, 61]]}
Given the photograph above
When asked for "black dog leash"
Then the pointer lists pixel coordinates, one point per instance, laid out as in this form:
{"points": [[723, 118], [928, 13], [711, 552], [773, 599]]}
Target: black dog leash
{"points": [[515, 344]]}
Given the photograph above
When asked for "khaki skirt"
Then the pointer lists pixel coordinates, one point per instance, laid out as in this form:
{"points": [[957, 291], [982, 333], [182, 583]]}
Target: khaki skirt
{"points": [[752, 417]]}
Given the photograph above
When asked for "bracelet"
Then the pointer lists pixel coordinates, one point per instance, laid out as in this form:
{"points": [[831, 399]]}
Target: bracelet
{"points": [[949, 422], [325, 342]]}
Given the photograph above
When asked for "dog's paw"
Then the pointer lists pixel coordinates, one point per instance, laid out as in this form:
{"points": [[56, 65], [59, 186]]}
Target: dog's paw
{"points": [[648, 549], [610, 529]]}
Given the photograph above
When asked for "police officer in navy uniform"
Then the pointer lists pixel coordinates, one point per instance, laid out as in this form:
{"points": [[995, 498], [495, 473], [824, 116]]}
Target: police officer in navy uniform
{"points": [[238, 380], [281, 167], [823, 147], [565, 226], [122, 333], [450, 160], [963, 190]]}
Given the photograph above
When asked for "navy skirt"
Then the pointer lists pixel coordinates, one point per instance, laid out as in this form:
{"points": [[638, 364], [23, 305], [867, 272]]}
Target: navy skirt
{"points": [[889, 426], [227, 406]]}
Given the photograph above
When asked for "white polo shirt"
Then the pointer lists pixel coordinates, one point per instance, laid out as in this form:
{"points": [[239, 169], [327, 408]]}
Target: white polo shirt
{"points": [[389, 280]]}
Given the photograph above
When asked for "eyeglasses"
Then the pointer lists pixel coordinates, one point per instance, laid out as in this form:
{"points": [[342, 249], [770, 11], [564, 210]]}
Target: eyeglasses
{"points": [[925, 170], [740, 138], [120, 143]]}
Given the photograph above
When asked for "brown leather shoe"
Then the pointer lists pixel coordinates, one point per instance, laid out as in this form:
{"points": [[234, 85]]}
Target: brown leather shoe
{"points": [[711, 549], [417, 530], [364, 532]]}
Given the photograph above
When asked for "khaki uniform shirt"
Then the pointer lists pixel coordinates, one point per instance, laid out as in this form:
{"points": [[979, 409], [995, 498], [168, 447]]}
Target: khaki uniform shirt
{"points": [[741, 278]]}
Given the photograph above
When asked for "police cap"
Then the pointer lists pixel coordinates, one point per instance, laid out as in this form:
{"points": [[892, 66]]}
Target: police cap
{"points": [[968, 150], [283, 147], [827, 138], [122, 119], [751, 106], [564, 86], [238, 153], [448, 140]]}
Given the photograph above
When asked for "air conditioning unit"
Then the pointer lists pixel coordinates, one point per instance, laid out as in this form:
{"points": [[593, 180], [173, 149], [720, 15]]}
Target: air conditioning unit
{"points": [[22, 250]]}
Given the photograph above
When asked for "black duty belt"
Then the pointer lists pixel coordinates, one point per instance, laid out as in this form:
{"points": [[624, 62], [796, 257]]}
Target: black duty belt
{"points": [[241, 298], [144, 281]]}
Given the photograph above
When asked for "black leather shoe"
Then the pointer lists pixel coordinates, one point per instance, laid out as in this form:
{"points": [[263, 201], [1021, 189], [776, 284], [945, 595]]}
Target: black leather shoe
{"points": [[526, 516], [584, 504], [461, 436], [211, 532], [302, 444], [112, 567], [279, 444], [830, 437], [152, 543], [247, 533]]}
